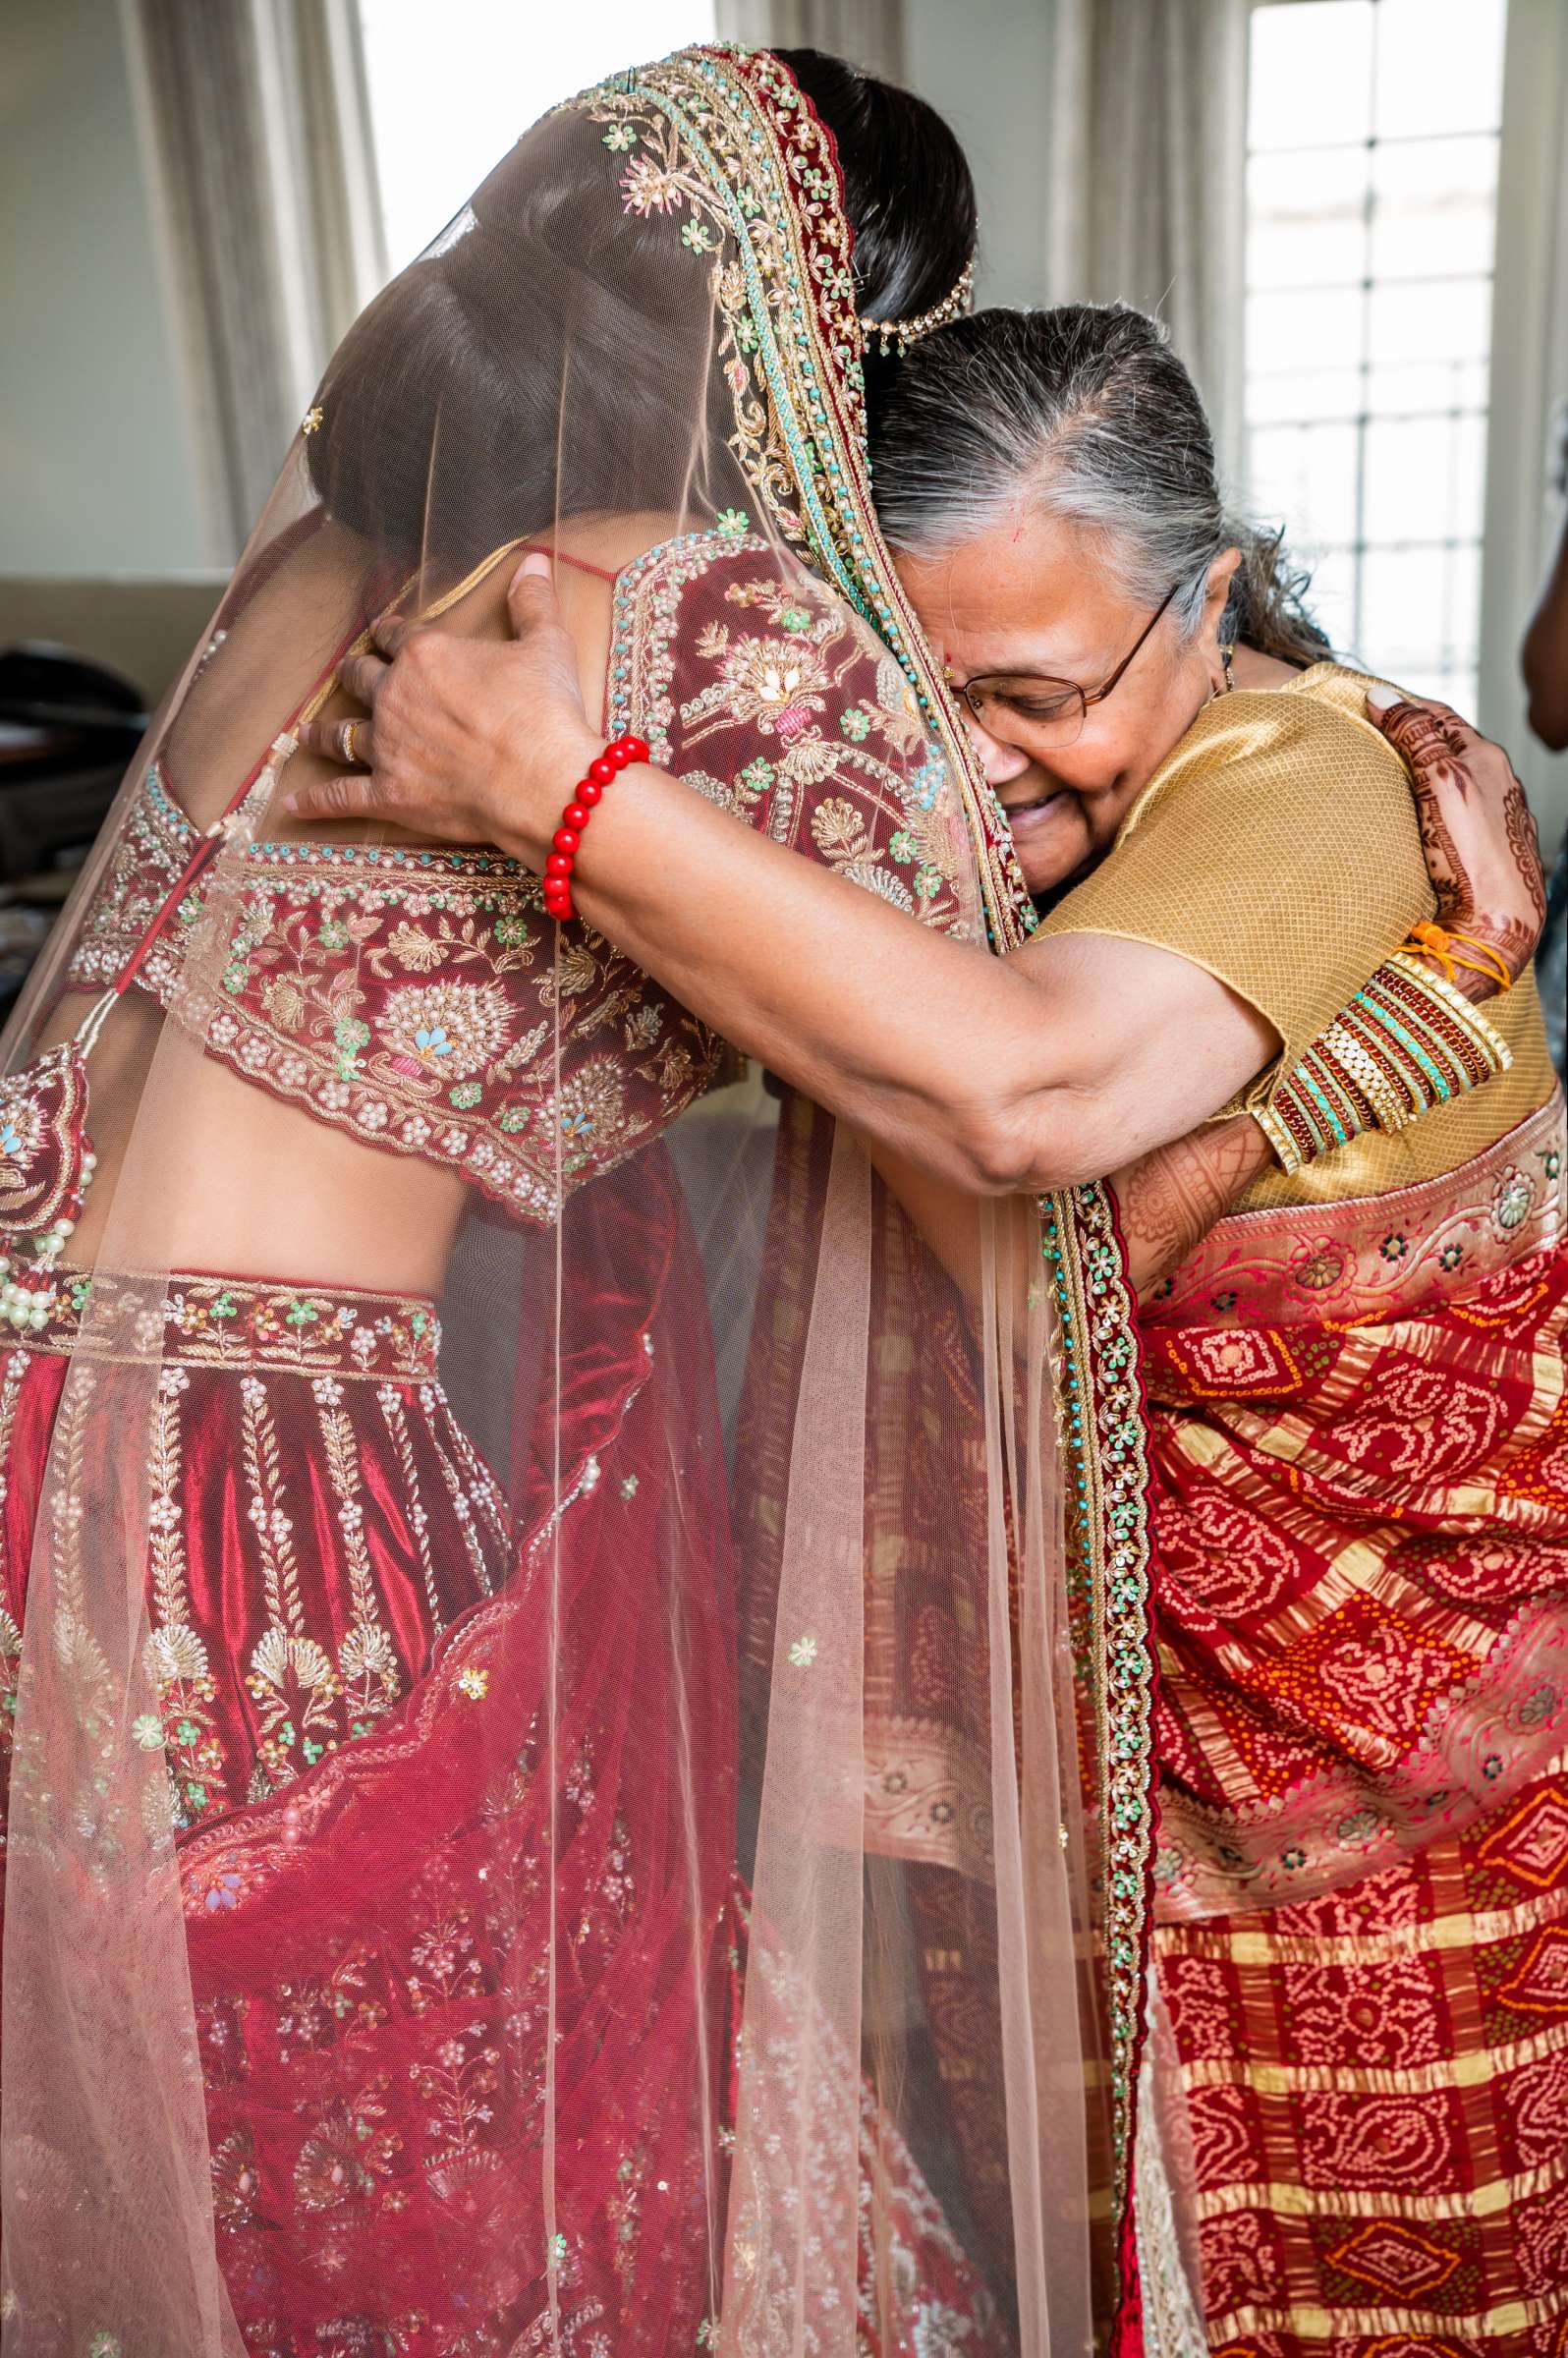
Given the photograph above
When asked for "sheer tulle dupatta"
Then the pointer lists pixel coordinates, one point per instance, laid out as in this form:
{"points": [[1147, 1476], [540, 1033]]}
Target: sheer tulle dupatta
{"points": [[488, 1992]]}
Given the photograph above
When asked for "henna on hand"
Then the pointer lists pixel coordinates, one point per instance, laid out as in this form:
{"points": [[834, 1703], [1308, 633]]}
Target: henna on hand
{"points": [[1478, 836], [1524, 842], [1171, 1198]]}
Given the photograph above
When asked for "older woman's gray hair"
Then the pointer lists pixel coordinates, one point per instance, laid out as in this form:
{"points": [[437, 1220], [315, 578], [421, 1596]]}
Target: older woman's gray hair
{"points": [[1085, 413]]}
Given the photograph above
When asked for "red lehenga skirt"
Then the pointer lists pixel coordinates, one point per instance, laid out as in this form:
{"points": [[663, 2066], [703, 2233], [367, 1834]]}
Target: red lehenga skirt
{"points": [[338, 1591], [1359, 1431]]}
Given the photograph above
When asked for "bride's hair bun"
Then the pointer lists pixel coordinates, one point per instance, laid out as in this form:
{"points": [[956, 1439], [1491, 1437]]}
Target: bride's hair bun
{"points": [[552, 349], [908, 192]]}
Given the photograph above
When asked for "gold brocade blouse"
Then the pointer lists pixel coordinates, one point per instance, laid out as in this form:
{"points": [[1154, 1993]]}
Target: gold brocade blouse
{"points": [[1277, 847]]}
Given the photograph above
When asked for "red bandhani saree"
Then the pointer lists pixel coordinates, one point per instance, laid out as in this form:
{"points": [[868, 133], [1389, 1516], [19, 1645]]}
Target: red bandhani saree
{"points": [[1359, 1441]]}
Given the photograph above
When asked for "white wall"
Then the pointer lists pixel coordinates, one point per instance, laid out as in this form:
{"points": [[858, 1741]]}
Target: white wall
{"points": [[987, 65], [95, 473]]}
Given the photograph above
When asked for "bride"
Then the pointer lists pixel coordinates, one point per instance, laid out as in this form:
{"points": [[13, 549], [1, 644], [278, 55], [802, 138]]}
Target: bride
{"points": [[383, 1265]]}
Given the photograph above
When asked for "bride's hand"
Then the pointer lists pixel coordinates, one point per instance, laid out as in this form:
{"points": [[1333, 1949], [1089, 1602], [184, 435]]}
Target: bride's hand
{"points": [[1476, 832], [467, 740]]}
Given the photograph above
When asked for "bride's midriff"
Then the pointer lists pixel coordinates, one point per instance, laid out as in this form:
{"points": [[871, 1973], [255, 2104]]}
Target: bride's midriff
{"points": [[200, 1163], [224, 1177]]}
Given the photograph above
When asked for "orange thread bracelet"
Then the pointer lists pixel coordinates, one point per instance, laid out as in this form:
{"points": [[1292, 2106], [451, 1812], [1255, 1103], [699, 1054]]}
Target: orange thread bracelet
{"points": [[1436, 942]]}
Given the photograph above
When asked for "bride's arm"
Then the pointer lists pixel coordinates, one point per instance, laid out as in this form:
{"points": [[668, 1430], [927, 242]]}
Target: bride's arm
{"points": [[1171, 1198], [1167, 1203], [1068, 1059]]}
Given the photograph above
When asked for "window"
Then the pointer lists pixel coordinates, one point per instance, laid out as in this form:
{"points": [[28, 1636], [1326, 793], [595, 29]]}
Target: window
{"points": [[449, 88], [1372, 184]]}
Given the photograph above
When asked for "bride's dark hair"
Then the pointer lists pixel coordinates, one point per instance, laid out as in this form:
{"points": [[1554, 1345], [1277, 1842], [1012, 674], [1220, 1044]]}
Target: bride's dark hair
{"points": [[455, 375], [908, 193]]}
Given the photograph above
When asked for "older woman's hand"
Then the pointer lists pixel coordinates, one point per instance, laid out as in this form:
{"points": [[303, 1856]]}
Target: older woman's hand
{"points": [[468, 740], [1476, 830]]}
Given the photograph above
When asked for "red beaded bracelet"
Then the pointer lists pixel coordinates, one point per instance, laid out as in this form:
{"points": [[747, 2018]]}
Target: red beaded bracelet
{"points": [[617, 756]]}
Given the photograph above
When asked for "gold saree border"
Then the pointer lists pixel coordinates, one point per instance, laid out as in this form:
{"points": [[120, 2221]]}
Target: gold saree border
{"points": [[1371, 1257]]}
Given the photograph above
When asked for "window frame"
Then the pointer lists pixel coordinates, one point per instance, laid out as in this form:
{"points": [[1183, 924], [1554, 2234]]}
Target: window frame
{"points": [[1522, 519]]}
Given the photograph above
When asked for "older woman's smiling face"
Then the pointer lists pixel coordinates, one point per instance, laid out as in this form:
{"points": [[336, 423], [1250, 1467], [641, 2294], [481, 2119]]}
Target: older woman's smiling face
{"points": [[1033, 596]]}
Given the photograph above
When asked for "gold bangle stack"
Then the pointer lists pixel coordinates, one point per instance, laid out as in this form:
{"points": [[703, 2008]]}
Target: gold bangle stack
{"points": [[1407, 1044], [1393, 1110]]}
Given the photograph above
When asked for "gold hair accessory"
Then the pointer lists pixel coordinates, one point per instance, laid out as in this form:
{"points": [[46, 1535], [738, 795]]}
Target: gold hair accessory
{"points": [[312, 418], [905, 332]]}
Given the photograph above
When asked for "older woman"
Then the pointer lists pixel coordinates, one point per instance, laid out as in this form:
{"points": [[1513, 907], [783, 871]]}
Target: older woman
{"points": [[1354, 1383]]}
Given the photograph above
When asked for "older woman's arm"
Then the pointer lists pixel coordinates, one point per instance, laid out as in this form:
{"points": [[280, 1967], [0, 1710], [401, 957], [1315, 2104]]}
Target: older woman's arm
{"points": [[1067, 1060], [991, 1076]]}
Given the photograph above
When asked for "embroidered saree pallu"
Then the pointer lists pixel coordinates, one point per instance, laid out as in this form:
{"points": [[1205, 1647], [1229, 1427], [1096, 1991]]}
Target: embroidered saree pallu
{"points": [[1359, 1433], [413, 1305]]}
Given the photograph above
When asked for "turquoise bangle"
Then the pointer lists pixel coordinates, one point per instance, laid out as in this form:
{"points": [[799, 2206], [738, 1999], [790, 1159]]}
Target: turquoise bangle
{"points": [[1391, 1023], [1340, 1136]]}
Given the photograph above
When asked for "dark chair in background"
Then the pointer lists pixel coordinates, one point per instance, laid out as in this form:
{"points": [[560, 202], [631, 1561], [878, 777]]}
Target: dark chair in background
{"points": [[68, 729]]}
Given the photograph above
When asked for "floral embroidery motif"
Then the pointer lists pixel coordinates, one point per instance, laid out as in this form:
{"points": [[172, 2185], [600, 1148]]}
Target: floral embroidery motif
{"points": [[176, 1659], [325, 1002], [448, 1030], [649, 186], [368, 1662], [1107, 1445], [868, 803], [231, 1322], [1513, 1201], [289, 1674]]}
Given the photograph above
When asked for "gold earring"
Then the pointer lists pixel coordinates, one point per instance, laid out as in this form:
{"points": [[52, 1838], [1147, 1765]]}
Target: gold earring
{"points": [[1225, 654]]}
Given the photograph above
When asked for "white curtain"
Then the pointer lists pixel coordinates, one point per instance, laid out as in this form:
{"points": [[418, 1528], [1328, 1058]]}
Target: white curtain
{"points": [[1147, 131], [259, 156], [869, 33]]}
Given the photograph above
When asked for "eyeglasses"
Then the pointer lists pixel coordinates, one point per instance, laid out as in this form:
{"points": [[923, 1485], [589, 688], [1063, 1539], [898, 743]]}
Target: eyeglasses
{"points": [[1032, 710]]}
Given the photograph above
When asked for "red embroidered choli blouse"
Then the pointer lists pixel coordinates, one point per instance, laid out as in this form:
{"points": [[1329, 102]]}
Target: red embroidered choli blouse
{"points": [[414, 996]]}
